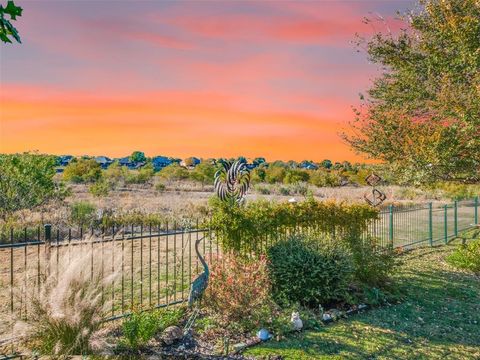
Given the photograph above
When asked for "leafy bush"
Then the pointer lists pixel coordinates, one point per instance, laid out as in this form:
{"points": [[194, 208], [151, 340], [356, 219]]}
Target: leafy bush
{"points": [[248, 228], [140, 176], [310, 273], [141, 326], [83, 213], [173, 172], [294, 176], [82, 170], [324, 178], [115, 174], [457, 191], [466, 257], [100, 188], [275, 174], [373, 264], [26, 181], [238, 292]]}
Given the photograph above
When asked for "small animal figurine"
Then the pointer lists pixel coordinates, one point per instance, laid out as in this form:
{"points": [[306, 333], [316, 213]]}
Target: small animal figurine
{"points": [[297, 323]]}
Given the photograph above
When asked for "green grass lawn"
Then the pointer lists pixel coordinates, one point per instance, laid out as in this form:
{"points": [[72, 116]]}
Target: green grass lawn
{"points": [[439, 318]]}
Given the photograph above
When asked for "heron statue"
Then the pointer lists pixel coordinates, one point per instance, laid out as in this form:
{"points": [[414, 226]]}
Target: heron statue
{"points": [[199, 285]]}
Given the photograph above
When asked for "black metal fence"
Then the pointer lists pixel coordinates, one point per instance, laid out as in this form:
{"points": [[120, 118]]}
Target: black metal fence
{"points": [[155, 264], [151, 266]]}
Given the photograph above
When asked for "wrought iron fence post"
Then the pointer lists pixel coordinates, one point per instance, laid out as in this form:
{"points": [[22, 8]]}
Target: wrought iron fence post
{"points": [[430, 223], [48, 246], [476, 210], [455, 219], [391, 224], [11, 269], [445, 220]]}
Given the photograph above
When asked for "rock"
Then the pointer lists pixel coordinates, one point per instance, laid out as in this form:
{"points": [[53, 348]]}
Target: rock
{"points": [[171, 334], [362, 307], [327, 317]]}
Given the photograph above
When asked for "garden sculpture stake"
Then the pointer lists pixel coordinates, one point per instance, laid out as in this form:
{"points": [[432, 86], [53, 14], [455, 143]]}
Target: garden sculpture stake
{"points": [[200, 283], [232, 181], [376, 197], [198, 287]]}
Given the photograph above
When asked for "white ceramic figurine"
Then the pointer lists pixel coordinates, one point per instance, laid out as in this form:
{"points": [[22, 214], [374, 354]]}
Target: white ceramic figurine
{"points": [[297, 323]]}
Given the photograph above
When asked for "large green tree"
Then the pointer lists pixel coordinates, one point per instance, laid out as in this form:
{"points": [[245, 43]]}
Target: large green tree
{"points": [[26, 181], [422, 114]]}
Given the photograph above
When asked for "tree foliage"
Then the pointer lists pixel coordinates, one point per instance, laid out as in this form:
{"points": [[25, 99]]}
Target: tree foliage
{"points": [[26, 181], [422, 114], [82, 170], [7, 30]]}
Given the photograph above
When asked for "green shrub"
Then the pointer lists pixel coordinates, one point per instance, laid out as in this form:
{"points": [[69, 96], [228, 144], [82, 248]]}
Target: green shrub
{"points": [[294, 176], [275, 174], [100, 188], [83, 213], [160, 187], [173, 172], [285, 191], [457, 191], [27, 181], [248, 228], [141, 326], [466, 257], [309, 272], [373, 264], [140, 176], [324, 178], [115, 174], [82, 170]]}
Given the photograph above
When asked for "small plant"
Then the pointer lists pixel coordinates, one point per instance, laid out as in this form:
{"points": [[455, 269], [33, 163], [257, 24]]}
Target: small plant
{"points": [[466, 257], [141, 326], [100, 188], [160, 187], [83, 213], [309, 271], [373, 264]]}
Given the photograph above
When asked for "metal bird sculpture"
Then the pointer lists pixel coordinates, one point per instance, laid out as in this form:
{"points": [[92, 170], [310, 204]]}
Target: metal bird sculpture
{"points": [[200, 283], [232, 181]]}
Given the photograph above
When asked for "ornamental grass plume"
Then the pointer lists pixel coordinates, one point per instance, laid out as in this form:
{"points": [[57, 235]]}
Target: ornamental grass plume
{"points": [[68, 307]]}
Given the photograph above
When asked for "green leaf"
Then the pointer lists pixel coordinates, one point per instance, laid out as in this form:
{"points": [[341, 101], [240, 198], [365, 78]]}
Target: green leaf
{"points": [[13, 10]]}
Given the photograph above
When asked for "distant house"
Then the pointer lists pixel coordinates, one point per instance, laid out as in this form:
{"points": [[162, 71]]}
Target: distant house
{"points": [[125, 161], [64, 160], [308, 165], [103, 161], [159, 162], [190, 162]]}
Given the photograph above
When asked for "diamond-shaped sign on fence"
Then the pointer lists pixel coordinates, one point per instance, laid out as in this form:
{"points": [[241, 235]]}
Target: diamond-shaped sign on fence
{"points": [[373, 179], [375, 198]]}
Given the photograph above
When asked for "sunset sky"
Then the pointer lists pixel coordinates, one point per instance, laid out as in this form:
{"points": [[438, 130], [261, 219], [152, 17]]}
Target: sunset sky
{"points": [[205, 78]]}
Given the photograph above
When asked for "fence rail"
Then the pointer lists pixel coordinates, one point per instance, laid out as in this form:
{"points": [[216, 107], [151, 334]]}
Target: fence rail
{"points": [[157, 263]]}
